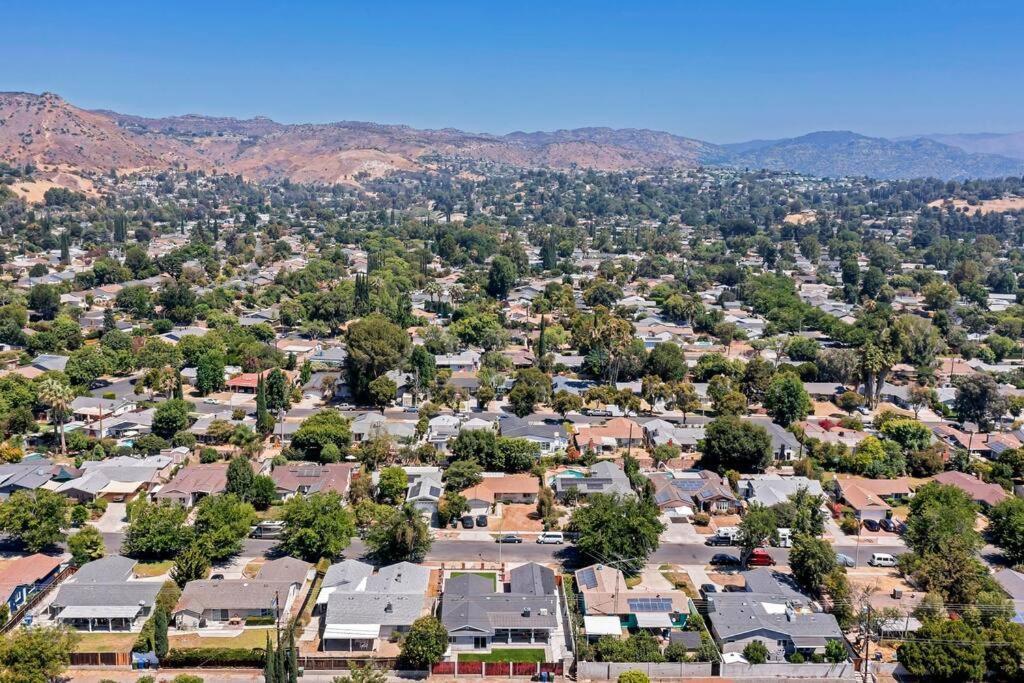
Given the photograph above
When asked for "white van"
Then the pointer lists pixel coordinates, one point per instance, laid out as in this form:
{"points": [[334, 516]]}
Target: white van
{"points": [[554, 537], [882, 560], [785, 538]]}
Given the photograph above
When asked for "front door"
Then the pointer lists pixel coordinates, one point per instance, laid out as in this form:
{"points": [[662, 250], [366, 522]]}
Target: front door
{"points": [[480, 642]]}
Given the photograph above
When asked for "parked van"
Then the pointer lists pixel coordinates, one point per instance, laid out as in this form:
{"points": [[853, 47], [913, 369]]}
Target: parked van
{"points": [[554, 537], [268, 529], [759, 557], [882, 560], [730, 532], [785, 538]]}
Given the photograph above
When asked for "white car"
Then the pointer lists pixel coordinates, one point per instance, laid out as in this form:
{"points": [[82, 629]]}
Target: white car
{"points": [[211, 401]]}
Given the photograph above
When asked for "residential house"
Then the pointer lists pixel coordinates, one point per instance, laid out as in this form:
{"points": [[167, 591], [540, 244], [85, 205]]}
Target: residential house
{"points": [[551, 436], [459, 362], [479, 615], [104, 595], [868, 497], [501, 488], [685, 491], [24, 576], [215, 602], [193, 483], [772, 612], [304, 478], [362, 609], [985, 495], [425, 489], [605, 594], [770, 489], [603, 477], [617, 433], [686, 437]]}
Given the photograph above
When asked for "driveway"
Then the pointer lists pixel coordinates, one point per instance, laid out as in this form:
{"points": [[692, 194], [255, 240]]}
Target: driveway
{"points": [[679, 532], [113, 520]]}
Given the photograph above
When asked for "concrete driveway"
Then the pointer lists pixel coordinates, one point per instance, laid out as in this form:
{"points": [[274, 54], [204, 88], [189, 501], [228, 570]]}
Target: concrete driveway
{"points": [[113, 520]]}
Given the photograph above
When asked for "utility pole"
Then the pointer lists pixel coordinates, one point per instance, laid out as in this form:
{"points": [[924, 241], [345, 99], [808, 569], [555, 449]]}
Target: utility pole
{"points": [[867, 642]]}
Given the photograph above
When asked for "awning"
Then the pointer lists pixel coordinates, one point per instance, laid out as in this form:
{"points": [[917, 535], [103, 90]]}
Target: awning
{"points": [[602, 626], [653, 620], [99, 612], [336, 631]]}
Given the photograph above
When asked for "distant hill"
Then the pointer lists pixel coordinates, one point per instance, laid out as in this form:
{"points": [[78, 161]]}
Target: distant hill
{"points": [[60, 138], [838, 153], [1005, 144]]}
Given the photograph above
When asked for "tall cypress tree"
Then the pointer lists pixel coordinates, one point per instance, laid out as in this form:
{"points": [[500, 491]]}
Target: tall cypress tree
{"points": [[65, 248], [264, 420], [293, 657], [269, 663]]}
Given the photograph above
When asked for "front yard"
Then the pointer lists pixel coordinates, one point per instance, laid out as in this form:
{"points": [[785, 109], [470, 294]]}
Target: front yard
{"points": [[146, 570], [487, 575], [105, 642], [506, 655], [249, 638]]}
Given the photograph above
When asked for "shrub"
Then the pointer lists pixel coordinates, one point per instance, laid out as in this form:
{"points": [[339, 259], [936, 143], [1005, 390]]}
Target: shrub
{"points": [[755, 652], [208, 455], [701, 519], [260, 621], [633, 676], [214, 656], [849, 525]]}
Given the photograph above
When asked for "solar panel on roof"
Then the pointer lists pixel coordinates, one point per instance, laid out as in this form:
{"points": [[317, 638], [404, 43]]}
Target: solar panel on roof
{"points": [[588, 578], [649, 604]]}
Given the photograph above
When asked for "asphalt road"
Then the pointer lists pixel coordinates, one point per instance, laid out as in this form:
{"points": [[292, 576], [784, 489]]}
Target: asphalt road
{"points": [[484, 551]]}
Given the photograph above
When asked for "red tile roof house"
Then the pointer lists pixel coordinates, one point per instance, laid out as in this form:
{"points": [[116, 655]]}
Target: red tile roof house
{"points": [[511, 488], [27, 575], [193, 483], [614, 434], [303, 478], [981, 493], [246, 382], [867, 496]]}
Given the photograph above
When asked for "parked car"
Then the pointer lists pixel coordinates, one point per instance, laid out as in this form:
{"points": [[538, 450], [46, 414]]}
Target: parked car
{"points": [[871, 525], [552, 537], [467, 521], [508, 538], [882, 560], [211, 401], [481, 520], [760, 558], [890, 525], [717, 540], [724, 559], [708, 588], [845, 560]]}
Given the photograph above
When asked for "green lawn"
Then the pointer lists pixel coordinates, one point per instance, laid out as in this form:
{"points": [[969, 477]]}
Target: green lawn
{"points": [[507, 655], [150, 569], [105, 642], [248, 639], [487, 575]]}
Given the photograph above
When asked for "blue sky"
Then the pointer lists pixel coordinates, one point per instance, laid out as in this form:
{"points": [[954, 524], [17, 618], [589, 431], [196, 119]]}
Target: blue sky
{"points": [[719, 71]]}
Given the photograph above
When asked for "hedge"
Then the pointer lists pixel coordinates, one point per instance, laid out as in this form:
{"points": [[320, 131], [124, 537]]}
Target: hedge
{"points": [[260, 621], [215, 656]]}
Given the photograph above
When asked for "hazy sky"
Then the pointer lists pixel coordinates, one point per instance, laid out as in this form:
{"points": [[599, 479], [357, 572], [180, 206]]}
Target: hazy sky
{"points": [[719, 71]]}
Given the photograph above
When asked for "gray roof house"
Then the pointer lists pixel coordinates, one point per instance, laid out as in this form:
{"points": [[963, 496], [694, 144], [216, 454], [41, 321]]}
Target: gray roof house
{"points": [[773, 612], [550, 435], [477, 616], [769, 489], [361, 609], [604, 477], [104, 595], [218, 601]]}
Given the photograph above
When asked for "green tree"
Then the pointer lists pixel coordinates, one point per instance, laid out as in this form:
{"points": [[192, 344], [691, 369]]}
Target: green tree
{"points": [[325, 428], [938, 514], [221, 523], [375, 346], [191, 564], [978, 400], [86, 546], [316, 526], [392, 485], [944, 651], [849, 401], [911, 435], [755, 652], [36, 654], [58, 397], [240, 477], [501, 278], [786, 399], [731, 443], [382, 392], [160, 645], [156, 531], [424, 645], [403, 537], [86, 365], [35, 518], [171, 417], [210, 372], [812, 560], [667, 361], [1006, 528], [461, 475], [531, 387], [565, 402], [620, 529], [757, 527], [44, 300]]}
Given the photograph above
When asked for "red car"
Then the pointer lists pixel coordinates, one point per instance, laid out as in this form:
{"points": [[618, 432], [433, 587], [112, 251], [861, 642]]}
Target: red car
{"points": [[760, 558]]}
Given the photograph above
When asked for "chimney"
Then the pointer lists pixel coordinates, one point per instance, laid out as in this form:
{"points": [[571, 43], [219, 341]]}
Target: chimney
{"points": [[526, 611], [389, 608]]}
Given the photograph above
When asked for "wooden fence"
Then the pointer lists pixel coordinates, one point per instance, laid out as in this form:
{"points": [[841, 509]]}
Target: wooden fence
{"points": [[316, 663], [497, 669], [34, 599], [105, 659]]}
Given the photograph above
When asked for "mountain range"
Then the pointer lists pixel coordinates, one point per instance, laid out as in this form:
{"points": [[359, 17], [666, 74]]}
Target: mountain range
{"points": [[59, 138]]}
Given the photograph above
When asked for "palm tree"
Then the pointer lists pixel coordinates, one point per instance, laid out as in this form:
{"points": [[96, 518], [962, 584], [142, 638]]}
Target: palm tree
{"points": [[58, 397]]}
